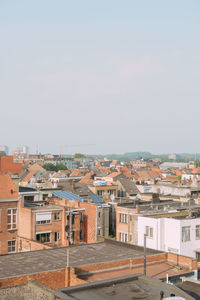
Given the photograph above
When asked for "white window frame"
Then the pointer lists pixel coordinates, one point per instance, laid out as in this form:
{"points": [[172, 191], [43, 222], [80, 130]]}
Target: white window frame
{"points": [[123, 218], [11, 241], [12, 224], [123, 237], [43, 221], [46, 232], [57, 216], [58, 236], [197, 232], [149, 231], [185, 234]]}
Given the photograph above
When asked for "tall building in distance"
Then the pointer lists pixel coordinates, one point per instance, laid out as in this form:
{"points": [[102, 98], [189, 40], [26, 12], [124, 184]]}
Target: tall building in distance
{"points": [[21, 150], [20, 153], [4, 149]]}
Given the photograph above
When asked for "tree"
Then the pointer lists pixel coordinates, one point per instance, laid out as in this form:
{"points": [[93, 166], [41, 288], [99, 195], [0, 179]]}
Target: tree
{"points": [[79, 155], [61, 167], [55, 168], [49, 167], [179, 178]]}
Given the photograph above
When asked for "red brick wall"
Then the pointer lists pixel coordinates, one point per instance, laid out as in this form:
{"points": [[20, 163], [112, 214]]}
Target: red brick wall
{"points": [[54, 279], [182, 261], [115, 264], [90, 222], [8, 166]]}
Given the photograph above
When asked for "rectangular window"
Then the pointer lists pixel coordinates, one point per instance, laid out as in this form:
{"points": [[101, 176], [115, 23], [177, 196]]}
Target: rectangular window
{"points": [[44, 196], [44, 218], [57, 216], [56, 236], [12, 246], [12, 218], [124, 218], [81, 235], [73, 219], [43, 237], [81, 217], [149, 231], [100, 192], [110, 192], [185, 233], [197, 232], [123, 237]]}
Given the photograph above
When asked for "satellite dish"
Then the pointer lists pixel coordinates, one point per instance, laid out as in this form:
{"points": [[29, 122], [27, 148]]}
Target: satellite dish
{"points": [[67, 228]]}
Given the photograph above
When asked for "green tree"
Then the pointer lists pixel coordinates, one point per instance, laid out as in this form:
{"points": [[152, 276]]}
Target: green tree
{"points": [[79, 155], [179, 178], [60, 167], [49, 167]]}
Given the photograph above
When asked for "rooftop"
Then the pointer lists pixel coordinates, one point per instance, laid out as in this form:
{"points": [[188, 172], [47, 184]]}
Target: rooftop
{"points": [[53, 259], [128, 287]]}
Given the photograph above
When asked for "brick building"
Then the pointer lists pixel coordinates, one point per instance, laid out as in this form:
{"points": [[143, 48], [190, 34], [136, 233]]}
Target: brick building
{"points": [[7, 165], [95, 262], [9, 198], [61, 220]]}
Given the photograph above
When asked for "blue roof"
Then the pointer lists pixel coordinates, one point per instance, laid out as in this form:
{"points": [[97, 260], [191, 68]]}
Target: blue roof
{"points": [[96, 199], [67, 195]]}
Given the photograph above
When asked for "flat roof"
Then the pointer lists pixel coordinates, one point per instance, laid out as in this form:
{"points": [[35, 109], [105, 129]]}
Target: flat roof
{"points": [[32, 262], [128, 287]]}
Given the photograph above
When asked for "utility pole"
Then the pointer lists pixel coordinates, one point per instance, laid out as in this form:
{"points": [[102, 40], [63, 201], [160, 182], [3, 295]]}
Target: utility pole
{"points": [[145, 240]]}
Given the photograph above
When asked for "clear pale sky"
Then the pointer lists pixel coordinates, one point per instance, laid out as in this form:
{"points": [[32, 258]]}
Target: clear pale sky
{"points": [[120, 76]]}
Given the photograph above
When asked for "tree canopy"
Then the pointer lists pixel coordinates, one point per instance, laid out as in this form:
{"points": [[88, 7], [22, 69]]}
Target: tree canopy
{"points": [[79, 155], [52, 167]]}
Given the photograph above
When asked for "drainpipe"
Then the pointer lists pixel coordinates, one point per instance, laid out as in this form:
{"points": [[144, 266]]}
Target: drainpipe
{"points": [[145, 239]]}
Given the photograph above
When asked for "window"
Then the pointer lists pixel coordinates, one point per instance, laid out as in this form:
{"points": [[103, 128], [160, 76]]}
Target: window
{"points": [[56, 236], [123, 218], [73, 219], [123, 237], [43, 237], [57, 216], [185, 233], [197, 232], [81, 234], [110, 192], [44, 218], [81, 217], [100, 192], [149, 231], [44, 196], [12, 218], [12, 246]]}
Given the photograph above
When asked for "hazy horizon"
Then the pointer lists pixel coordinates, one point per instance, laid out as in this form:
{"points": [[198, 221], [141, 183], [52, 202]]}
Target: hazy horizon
{"points": [[109, 76]]}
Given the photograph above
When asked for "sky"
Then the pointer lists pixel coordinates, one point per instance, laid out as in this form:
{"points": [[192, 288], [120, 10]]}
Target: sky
{"points": [[100, 77]]}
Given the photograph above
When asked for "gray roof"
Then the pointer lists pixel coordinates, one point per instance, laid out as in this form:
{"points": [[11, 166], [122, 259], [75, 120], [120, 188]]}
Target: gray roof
{"points": [[127, 287], [129, 186], [55, 259]]}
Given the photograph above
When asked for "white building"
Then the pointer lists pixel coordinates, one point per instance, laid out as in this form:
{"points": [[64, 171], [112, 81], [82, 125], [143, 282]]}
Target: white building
{"points": [[22, 150], [179, 235], [4, 148]]}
